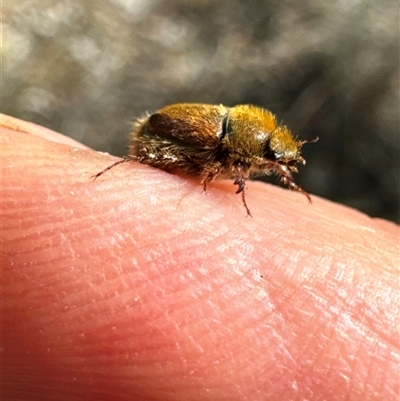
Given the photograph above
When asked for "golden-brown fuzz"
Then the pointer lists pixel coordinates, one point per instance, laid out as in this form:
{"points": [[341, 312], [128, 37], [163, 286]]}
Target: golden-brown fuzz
{"points": [[210, 141]]}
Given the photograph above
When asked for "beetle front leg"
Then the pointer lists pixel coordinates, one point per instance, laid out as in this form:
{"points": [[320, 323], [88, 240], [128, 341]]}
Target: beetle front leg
{"points": [[287, 179]]}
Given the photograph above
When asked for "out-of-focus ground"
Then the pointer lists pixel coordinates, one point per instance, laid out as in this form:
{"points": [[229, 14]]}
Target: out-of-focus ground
{"points": [[87, 68]]}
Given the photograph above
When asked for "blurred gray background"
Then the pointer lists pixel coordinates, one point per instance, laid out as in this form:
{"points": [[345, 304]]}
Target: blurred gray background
{"points": [[328, 68]]}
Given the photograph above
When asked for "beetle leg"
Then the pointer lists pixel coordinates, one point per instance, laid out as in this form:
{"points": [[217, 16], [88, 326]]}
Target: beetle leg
{"points": [[287, 179], [240, 181], [210, 174], [124, 160]]}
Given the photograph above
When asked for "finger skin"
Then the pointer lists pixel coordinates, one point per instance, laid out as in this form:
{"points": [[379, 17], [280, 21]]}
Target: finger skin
{"points": [[138, 286]]}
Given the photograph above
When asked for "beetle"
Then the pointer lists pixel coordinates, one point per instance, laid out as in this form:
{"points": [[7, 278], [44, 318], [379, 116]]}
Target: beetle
{"points": [[214, 141]]}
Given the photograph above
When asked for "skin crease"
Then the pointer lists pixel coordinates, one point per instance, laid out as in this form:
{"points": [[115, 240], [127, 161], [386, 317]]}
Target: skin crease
{"points": [[140, 287]]}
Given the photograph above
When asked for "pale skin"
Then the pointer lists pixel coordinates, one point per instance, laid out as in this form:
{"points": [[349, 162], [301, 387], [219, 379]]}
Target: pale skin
{"points": [[139, 286]]}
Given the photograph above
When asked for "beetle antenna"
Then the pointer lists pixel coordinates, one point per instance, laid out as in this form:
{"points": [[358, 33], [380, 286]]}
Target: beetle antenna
{"points": [[309, 140]]}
